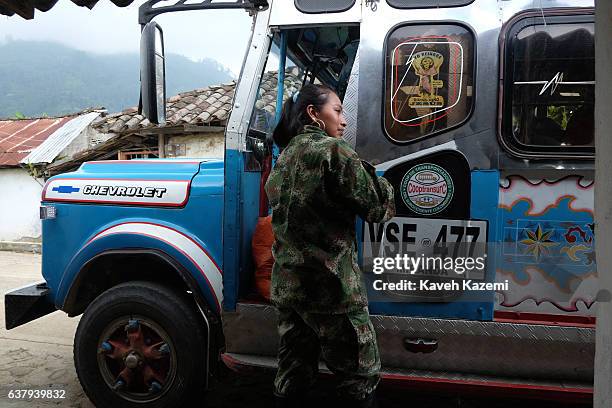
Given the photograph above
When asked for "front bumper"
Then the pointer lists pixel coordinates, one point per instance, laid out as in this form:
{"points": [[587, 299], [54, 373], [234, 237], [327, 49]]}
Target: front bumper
{"points": [[22, 305]]}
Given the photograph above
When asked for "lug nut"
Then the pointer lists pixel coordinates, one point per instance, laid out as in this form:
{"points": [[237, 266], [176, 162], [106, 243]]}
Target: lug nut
{"points": [[119, 385], [132, 325], [155, 387], [105, 348], [164, 349]]}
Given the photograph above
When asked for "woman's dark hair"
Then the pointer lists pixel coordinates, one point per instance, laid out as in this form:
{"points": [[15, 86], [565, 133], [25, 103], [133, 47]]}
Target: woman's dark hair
{"points": [[294, 116]]}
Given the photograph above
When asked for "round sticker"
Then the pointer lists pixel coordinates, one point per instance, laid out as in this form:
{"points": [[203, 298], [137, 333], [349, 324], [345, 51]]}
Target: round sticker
{"points": [[427, 189]]}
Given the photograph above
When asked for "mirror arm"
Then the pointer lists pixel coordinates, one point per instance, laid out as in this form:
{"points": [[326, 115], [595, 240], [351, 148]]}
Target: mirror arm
{"points": [[147, 11]]}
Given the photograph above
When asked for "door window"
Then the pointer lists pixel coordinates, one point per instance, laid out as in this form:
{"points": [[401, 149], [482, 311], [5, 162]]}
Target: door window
{"points": [[319, 55], [428, 80], [263, 118]]}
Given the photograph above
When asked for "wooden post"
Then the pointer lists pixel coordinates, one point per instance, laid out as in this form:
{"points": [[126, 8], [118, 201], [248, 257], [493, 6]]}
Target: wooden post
{"points": [[161, 145]]}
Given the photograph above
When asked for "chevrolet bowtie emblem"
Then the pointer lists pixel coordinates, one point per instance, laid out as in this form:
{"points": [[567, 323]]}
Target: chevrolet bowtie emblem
{"points": [[66, 189]]}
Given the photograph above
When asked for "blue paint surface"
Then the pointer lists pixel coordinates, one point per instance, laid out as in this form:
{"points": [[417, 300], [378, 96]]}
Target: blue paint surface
{"points": [[234, 170], [548, 253], [484, 203], [201, 219], [558, 229]]}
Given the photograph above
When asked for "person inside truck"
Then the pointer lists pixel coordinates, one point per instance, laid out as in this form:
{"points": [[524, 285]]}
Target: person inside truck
{"points": [[316, 189]]}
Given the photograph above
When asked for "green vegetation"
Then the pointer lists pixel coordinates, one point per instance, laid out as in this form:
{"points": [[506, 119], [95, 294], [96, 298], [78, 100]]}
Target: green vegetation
{"points": [[560, 114], [39, 78]]}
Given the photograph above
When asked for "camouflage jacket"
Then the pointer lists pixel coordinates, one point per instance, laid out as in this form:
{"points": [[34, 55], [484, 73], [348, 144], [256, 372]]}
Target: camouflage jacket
{"points": [[316, 189]]}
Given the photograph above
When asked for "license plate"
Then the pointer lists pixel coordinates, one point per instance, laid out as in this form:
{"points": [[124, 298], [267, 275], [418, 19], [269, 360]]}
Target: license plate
{"points": [[426, 237]]}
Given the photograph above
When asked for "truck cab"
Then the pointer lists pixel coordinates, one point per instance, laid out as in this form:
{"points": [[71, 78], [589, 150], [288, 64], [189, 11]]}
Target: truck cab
{"points": [[480, 114]]}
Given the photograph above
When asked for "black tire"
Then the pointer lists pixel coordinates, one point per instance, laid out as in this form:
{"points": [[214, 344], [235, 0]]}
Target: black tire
{"points": [[156, 310]]}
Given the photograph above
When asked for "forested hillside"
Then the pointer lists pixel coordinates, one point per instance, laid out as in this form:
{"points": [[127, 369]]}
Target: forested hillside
{"points": [[42, 78]]}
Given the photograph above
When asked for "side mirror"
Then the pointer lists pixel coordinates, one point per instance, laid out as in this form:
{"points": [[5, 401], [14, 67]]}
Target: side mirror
{"points": [[152, 74]]}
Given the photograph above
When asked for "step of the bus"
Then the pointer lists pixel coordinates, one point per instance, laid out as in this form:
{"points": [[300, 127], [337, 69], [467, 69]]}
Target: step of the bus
{"points": [[420, 380], [514, 349]]}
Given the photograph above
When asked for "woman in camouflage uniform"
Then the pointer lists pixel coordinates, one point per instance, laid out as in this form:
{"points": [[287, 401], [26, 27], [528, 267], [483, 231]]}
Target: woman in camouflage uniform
{"points": [[316, 189]]}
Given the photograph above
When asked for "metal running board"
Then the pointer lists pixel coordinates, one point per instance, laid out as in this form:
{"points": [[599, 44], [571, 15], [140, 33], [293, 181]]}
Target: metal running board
{"points": [[421, 380], [538, 351]]}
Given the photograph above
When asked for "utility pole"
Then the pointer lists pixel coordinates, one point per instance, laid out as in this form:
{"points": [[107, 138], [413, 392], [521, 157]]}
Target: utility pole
{"points": [[603, 200]]}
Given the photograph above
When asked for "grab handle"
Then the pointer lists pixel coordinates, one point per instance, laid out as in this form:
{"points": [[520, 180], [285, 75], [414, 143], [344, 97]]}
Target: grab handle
{"points": [[419, 345]]}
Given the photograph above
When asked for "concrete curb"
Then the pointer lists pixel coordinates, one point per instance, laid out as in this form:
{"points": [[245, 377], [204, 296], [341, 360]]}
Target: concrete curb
{"points": [[16, 246]]}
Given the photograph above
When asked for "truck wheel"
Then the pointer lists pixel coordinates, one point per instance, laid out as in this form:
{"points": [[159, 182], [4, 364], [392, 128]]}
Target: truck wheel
{"points": [[139, 344]]}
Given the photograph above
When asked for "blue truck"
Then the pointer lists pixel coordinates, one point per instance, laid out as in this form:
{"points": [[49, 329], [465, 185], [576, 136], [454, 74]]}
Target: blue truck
{"points": [[480, 113]]}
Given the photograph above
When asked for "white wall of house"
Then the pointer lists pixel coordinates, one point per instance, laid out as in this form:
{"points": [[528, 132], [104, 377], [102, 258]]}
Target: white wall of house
{"points": [[87, 139], [200, 145], [19, 205], [20, 194]]}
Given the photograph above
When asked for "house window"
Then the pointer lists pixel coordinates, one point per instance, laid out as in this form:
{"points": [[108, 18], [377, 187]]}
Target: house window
{"points": [[549, 91], [176, 150], [137, 154], [429, 74]]}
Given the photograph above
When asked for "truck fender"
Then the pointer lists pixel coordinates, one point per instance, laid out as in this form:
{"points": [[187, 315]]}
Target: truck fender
{"points": [[180, 277], [184, 253]]}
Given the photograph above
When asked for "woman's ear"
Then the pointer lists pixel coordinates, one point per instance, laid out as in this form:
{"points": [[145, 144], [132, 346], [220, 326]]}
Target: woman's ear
{"points": [[312, 112]]}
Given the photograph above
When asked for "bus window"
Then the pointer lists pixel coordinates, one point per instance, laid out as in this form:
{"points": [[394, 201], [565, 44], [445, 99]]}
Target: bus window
{"points": [[328, 6], [410, 4], [429, 73], [549, 90]]}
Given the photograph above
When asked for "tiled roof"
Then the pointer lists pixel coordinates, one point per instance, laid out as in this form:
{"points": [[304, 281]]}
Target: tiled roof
{"points": [[204, 106], [26, 8], [200, 107], [61, 138], [18, 138], [267, 92]]}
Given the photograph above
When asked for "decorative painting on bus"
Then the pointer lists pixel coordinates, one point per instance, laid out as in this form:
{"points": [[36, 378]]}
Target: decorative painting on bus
{"points": [[428, 83], [428, 93], [548, 245]]}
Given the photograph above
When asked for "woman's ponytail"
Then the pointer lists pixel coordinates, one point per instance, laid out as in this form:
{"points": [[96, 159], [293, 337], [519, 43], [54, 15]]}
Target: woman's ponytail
{"points": [[294, 116], [282, 132]]}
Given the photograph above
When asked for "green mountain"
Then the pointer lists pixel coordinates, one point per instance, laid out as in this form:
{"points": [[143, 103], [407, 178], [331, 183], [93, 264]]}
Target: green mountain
{"points": [[38, 78]]}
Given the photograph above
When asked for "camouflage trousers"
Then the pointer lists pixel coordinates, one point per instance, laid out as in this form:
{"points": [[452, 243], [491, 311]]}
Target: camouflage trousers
{"points": [[346, 342]]}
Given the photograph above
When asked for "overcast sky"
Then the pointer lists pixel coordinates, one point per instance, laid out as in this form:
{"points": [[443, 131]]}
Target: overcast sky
{"points": [[216, 34]]}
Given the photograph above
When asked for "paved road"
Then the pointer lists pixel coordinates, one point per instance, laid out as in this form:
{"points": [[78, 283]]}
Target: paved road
{"points": [[38, 355]]}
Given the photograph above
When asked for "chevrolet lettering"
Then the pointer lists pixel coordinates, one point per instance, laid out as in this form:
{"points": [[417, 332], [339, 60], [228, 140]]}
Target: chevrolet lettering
{"points": [[124, 191]]}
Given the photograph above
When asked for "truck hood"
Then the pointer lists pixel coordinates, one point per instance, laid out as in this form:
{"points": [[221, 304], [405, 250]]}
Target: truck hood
{"points": [[155, 182]]}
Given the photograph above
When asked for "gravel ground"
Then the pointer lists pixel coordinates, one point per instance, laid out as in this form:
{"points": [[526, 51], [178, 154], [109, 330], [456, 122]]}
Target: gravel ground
{"points": [[38, 355]]}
